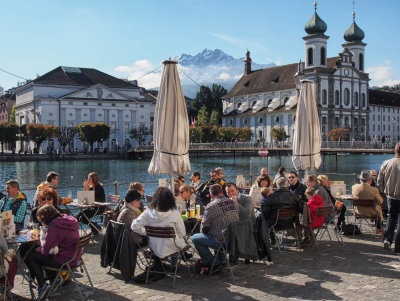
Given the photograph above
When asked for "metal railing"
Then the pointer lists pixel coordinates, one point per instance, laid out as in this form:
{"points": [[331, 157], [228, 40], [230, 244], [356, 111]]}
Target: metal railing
{"points": [[282, 144]]}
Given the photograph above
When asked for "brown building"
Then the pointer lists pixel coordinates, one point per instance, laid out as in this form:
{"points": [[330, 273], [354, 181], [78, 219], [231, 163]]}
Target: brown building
{"points": [[7, 101]]}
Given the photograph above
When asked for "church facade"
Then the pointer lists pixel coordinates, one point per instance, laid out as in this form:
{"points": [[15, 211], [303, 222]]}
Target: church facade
{"points": [[267, 98]]}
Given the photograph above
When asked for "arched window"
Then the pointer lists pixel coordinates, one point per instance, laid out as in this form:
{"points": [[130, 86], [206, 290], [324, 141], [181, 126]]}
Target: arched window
{"points": [[285, 100], [253, 103], [346, 97], [363, 99], [277, 119], [356, 99], [245, 121], [260, 121], [337, 101], [269, 102], [324, 97], [346, 122], [239, 104], [231, 122], [310, 56], [323, 55], [361, 61]]}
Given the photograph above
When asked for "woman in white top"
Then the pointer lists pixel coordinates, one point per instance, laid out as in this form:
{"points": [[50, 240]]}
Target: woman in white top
{"points": [[255, 190], [162, 213]]}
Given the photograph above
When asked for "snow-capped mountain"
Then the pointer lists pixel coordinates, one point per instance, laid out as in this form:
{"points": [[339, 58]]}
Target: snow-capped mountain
{"points": [[211, 66]]}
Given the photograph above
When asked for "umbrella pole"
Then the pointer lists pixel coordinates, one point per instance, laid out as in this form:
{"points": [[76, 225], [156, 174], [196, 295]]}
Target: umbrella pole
{"points": [[172, 183]]}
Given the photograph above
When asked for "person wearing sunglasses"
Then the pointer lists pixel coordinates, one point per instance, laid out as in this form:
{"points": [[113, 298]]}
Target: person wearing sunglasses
{"points": [[296, 187], [47, 195]]}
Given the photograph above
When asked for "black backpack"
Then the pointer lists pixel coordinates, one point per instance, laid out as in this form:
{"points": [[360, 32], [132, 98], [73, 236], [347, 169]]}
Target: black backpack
{"points": [[348, 229], [204, 193]]}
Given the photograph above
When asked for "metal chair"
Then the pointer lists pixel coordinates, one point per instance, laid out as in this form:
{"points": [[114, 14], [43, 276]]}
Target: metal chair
{"points": [[357, 216], [325, 212], [108, 213], [69, 269], [286, 216], [167, 233]]}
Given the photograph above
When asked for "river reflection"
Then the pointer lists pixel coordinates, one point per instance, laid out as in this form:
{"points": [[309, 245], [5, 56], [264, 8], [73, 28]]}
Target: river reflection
{"points": [[73, 173]]}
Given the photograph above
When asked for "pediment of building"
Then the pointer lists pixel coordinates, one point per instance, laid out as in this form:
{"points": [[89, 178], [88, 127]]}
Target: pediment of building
{"points": [[97, 92]]}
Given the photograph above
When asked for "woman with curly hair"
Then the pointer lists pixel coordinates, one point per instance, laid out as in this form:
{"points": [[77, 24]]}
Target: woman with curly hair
{"points": [[47, 195], [255, 190], [162, 212]]}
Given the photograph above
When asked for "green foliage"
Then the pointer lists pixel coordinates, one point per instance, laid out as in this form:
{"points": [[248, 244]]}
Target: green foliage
{"points": [[11, 118], [91, 132], [8, 134], [278, 133], [338, 134], [210, 98], [203, 117], [208, 134], [65, 135], [39, 132], [214, 119], [140, 134]]}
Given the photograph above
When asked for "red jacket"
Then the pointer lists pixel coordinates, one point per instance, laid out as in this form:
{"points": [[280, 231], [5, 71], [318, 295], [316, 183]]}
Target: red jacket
{"points": [[315, 202]]}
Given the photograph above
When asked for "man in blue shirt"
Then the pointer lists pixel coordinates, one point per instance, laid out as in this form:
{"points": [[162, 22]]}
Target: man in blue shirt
{"points": [[15, 201]]}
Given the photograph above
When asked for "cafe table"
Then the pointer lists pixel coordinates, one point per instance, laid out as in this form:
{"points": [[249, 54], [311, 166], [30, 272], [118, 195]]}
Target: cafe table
{"points": [[81, 208]]}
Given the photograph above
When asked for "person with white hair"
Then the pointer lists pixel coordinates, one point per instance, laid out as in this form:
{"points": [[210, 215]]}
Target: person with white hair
{"points": [[282, 198]]}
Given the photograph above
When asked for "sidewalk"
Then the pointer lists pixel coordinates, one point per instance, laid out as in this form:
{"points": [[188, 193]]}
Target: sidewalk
{"points": [[361, 270]]}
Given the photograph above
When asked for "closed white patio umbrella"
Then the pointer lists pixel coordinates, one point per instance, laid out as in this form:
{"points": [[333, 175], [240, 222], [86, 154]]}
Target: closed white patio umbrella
{"points": [[171, 126], [307, 134]]}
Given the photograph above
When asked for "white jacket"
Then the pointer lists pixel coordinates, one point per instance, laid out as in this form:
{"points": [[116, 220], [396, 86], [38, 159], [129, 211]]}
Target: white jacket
{"points": [[162, 247]]}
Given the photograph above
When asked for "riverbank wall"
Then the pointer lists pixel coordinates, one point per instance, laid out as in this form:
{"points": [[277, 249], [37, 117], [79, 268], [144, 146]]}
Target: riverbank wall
{"points": [[57, 157]]}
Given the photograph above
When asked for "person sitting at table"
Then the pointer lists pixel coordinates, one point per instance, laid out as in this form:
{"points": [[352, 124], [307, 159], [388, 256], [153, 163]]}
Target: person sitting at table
{"points": [[282, 198], [93, 183], [191, 199], [47, 195], [162, 212], [52, 180], [314, 201], [374, 175], [131, 211], [10, 263], [196, 182], [296, 187], [63, 232], [342, 210], [15, 201], [246, 207], [255, 190], [364, 191], [281, 173], [313, 182]]}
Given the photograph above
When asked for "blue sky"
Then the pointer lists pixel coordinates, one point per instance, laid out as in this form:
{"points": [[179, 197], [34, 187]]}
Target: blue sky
{"points": [[128, 38]]}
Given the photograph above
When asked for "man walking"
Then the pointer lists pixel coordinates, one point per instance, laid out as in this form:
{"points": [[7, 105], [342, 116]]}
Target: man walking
{"points": [[388, 182]]}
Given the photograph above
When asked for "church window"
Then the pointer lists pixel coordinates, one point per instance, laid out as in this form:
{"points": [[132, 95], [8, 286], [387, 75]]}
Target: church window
{"points": [[324, 97], [361, 62], [285, 100], [373, 127], [253, 103], [373, 117], [323, 55], [379, 117], [239, 104], [245, 121], [269, 102], [310, 56], [384, 119], [346, 122], [50, 114], [337, 98], [260, 120], [383, 127], [346, 97], [379, 127], [231, 122], [363, 99], [356, 99], [277, 119]]}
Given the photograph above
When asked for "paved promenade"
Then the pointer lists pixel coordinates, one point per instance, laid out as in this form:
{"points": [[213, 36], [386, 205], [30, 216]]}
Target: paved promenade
{"points": [[361, 270]]}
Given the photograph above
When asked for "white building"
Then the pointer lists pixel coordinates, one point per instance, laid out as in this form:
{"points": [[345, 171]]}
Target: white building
{"points": [[68, 96], [266, 98]]}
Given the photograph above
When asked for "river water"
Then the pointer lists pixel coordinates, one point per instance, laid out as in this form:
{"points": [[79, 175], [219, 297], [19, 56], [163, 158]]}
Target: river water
{"points": [[73, 173]]}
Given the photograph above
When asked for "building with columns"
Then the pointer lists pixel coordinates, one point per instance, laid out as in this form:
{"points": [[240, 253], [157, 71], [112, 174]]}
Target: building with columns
{"points": [[68, 96], [267, 98]]}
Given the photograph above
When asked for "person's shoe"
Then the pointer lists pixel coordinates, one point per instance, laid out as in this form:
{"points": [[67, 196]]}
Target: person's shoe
{"points": [[43, 290], [187, 256], [386, 245]]}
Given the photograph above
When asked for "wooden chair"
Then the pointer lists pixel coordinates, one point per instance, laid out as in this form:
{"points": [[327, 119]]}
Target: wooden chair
{"points": [[108, 213], [364, 204], [68, 269], [286, 216], [167, 233]]}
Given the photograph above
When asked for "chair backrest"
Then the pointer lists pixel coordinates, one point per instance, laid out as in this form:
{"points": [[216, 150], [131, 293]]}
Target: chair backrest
{"points": [[323, 211], [364, 203], [83, 241], [160, 232], [113, 198], [285, 214]]}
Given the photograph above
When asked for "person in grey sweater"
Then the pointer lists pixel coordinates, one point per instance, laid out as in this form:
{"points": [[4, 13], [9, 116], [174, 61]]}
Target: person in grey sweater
{"points": [[245, 202]]}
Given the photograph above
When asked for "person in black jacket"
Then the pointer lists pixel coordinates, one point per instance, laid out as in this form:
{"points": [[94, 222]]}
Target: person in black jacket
{"points": [[281, 198], [296, 187]]}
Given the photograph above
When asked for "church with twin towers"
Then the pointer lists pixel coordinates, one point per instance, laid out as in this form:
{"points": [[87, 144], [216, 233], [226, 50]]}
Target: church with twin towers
{"points": [[267, 98]]}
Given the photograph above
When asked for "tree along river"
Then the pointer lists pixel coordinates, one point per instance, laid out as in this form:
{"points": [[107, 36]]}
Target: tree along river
{"points": [[73, 173]]}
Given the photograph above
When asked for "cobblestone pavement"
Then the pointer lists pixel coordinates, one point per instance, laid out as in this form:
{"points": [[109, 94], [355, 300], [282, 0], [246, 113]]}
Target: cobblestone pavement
{"points": [[361, 270]]}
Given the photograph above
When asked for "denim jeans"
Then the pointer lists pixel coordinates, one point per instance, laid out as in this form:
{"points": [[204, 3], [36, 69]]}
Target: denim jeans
{"points": [[203, 242], [393, 218]]}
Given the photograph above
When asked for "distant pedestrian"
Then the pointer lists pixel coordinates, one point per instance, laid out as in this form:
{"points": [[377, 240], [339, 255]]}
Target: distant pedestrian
{"points": [[388, 182]]}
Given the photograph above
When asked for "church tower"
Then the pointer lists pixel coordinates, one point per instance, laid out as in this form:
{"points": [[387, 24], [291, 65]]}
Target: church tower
{"points": [[247, 63], [315, 41], [354, 44]]}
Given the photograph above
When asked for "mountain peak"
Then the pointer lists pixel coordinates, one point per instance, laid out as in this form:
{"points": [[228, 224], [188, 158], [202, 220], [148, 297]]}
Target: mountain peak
{"points": [[206, 57]]}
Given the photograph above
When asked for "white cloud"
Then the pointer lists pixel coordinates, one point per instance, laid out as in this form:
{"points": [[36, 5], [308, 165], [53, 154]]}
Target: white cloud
{"points": [[141, 71], [383, 75], [224, 76]]}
